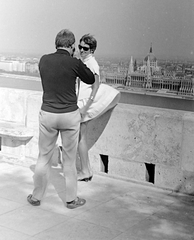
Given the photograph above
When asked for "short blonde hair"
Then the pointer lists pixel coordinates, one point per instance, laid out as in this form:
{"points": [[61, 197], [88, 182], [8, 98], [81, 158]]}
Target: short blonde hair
{"points": [[64, 38]]}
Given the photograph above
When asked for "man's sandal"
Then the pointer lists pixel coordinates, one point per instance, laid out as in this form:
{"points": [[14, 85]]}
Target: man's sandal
{"points": [[78, 202], [33, 202]]}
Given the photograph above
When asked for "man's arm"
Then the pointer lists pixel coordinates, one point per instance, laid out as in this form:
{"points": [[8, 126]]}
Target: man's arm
{"points": [[95, 87], [85, 74]]}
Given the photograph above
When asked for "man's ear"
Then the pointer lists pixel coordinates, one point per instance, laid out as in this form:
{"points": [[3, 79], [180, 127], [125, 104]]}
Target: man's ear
{"points": [[73, 46], [72, 49]]}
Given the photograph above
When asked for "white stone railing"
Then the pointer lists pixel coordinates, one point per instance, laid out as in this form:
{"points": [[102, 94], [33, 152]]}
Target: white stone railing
{"points": [[140, 143]]}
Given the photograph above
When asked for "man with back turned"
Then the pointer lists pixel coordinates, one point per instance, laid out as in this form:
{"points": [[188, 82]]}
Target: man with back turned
{"points": [[59, 114]]}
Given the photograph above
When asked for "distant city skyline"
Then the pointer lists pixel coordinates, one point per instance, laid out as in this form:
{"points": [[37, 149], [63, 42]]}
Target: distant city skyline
{"points": [[122, 28]]}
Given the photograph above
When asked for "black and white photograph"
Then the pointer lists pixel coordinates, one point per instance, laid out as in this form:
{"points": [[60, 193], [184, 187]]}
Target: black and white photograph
{"points": [[96, 120]]}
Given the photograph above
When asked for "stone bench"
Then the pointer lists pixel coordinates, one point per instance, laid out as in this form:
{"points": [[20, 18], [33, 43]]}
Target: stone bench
{"points": [[14, 138]]}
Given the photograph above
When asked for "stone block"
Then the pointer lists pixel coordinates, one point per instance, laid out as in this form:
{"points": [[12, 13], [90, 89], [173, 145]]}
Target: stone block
{"points": [[34, 101], [168, 177], [127, 169], [187, 150], [13, 105], [142, 134], [33, 107], [187, 183], [118, 167], [95, 161], [167, 137]]}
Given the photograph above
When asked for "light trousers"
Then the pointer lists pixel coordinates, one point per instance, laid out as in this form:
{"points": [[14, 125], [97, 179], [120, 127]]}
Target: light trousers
{"points": [[50, 125]]}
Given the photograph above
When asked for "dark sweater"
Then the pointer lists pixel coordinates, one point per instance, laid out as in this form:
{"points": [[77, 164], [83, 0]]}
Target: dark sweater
{"points": [[58, 72]]}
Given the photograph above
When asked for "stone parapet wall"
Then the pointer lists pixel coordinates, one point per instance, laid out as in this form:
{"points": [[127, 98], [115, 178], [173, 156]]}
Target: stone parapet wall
{"points": [[146, 144], [149, 144]]}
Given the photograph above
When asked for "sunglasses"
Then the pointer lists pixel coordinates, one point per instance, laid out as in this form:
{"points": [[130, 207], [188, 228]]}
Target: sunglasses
{"points": [[84, 48]]}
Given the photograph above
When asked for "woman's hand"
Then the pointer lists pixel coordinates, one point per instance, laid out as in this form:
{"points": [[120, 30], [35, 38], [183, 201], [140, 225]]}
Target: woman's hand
{"points": [[83, 112]]}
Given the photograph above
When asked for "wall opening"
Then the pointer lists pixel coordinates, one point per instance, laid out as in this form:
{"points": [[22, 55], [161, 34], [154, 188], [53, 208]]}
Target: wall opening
{"points": [[104, 163], [150, 172]]}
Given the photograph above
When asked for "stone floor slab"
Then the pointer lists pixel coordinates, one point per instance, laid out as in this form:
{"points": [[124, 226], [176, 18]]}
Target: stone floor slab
{"points": [[8, 234], [75, 229], [30, 220], [6, 206], [154, 228], [57, 204], [117, 214]]}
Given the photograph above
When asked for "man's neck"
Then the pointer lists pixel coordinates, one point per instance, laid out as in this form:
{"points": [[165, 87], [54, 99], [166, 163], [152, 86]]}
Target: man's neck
{"points": [[63, 48]]}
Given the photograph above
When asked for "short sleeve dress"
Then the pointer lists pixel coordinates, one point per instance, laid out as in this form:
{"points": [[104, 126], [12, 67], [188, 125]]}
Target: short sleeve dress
{"points": [[104, 96]]}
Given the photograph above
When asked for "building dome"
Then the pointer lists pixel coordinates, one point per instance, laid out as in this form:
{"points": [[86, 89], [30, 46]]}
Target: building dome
{"points": [[151, 56]]}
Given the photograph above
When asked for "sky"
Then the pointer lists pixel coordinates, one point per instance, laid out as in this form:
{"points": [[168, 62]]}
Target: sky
{"points": [[121, 27]]}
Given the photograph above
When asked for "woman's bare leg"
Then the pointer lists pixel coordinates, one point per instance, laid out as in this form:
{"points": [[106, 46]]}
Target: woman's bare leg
{"points": [[86, 170]]}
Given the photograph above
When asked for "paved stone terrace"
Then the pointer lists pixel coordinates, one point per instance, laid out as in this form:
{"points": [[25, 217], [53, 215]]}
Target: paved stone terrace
{"points": [[115, 209]]}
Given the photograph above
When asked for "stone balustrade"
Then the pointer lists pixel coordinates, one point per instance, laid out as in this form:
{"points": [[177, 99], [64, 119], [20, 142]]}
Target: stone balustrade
{"points": [[147, 144]]}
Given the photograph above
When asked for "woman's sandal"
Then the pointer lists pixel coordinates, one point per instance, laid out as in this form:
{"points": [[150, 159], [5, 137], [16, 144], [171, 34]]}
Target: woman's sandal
{"points": [[78, 202], [33, 202], [86, 179]]}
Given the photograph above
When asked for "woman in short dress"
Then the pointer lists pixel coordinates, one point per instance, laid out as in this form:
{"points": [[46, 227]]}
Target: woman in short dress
{"points": [[93, 101]]}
